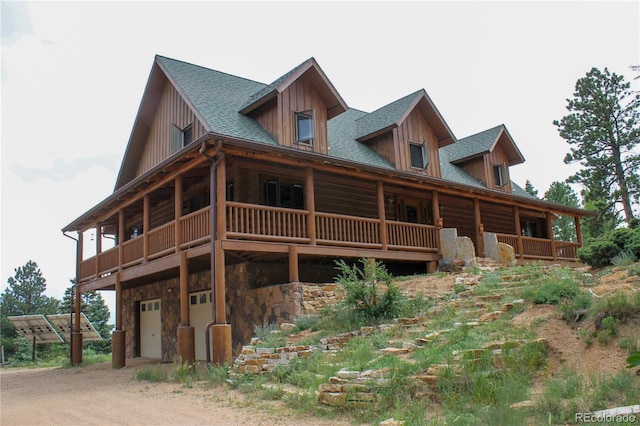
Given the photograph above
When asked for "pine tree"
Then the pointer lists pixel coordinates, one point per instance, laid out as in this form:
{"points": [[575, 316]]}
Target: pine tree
{"points": [[528, 186], [603, 128], [24, 295], [564, 228]]}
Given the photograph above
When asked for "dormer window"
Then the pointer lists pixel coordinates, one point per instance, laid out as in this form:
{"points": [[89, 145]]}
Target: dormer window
{"points": [[499, 175], [304, 127], [419, 158]]}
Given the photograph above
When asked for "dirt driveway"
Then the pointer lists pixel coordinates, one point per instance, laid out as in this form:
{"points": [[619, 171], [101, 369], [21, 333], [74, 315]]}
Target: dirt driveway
{"points": [[99, 395]]}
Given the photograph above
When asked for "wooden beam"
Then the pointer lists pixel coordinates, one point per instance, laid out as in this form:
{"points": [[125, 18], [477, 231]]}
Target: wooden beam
{"points": [[146, 225], [184, 290], [118, 285], [384, 238], [294, 275], [554, 254], [220, 290], [221, 199], [309, 193], [576, 221], [121, 237], [178, 194], [478, 227], [516, 218]]}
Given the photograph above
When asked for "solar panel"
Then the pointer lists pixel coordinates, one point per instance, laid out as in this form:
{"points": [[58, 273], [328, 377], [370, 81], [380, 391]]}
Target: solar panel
{"points": [[62, 323], [36, 326]]}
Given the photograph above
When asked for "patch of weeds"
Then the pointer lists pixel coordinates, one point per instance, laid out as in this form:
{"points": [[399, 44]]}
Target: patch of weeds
{"points": [[152, 374], [357, 354], [415, 306], [269, 335], [634, 269], [612, 391], [603, 338], [560, 398], [629, 343], [624, 258], [552, 288], [575, 310], [185, 373], [216, 375], [620, 306], [307, 322], [610, 325], [587, 337]]}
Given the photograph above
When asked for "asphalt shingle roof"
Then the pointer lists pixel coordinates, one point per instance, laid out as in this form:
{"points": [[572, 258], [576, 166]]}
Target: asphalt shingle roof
{"points": [[218, 97], [472, 145], [385, 116]]}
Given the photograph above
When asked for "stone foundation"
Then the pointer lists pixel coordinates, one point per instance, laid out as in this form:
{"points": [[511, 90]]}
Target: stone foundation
{"points": [[247, 305]]}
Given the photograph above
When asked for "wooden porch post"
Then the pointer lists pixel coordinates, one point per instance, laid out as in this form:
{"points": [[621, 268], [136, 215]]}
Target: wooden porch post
{"points": [[516, 218], [550, 233], [294, 275], [76, 335], [309, 193], [435, 207], [118, 342], [478, 223], [576, 221], [185, 333], [221, 330], [98, 247], [382, 215], [178, 212], [121, 237], [146, 221]]}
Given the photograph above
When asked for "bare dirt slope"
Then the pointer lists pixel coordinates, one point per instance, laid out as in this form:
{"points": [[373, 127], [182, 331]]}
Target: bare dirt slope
{"points": [[99, 395]]}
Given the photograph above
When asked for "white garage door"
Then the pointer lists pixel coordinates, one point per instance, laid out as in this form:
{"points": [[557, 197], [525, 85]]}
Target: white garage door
{"points": [[150, 329], [199, 316]]}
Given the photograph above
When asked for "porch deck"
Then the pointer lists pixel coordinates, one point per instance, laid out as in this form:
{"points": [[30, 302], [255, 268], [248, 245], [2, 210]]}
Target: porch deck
{"points": [[250, 226]]}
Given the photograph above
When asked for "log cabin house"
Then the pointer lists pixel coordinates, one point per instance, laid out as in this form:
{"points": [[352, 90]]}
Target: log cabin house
{"points": [[230, 183]]}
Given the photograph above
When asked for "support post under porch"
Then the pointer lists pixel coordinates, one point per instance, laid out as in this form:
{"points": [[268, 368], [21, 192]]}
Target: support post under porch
{"points": [[185, 333], [118, 342], [76, 335]]}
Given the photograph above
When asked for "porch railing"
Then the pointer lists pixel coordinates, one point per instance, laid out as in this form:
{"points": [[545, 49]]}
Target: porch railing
{"points": [[404, 235], [347, 230], [162, 240], [195, 228], [266, 223], [541, 248]]}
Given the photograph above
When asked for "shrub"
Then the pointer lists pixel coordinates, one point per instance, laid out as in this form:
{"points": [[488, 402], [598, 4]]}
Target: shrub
{"points": [[599, 252], [610, 325], [624, 258], [361, 289]]}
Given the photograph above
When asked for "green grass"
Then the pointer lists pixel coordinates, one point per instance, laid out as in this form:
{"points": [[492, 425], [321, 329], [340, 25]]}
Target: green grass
{"points": [[478, 391]]}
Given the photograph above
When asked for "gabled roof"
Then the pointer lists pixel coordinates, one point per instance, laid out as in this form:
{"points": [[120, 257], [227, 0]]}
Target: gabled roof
{"points": [[393, 114], [335, 104], [341, 132], [483, 143], [215, 97]]}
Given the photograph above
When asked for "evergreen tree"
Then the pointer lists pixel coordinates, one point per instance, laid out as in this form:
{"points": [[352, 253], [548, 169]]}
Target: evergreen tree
{"points": [[93, 306], [24, 295], [564, 228], [603, 128], [528, 186]]}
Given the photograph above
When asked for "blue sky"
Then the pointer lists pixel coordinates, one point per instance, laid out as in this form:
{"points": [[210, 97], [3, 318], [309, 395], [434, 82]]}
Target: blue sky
{"points": [[73, 74]]}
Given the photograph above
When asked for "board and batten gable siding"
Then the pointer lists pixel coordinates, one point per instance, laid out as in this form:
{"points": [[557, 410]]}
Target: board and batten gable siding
{"points": [[171, 113], [301, 96], [415, 129], [497, 157]]}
